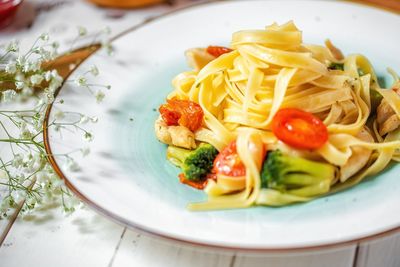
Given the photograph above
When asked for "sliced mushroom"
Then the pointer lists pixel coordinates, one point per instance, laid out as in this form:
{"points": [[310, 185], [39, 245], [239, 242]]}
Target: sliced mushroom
{"points": [[360, 156], [197, 58], [386, 117], [174, 135]]}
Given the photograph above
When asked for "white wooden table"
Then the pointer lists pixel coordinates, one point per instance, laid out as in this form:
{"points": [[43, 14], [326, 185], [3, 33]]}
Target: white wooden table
{"points": [[48, 238]]}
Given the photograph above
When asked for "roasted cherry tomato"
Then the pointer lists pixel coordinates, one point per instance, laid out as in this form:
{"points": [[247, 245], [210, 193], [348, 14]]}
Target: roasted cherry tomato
{"points": [[228, 162], [198, 185], [182, 112], [299, 129], [216, 51]]}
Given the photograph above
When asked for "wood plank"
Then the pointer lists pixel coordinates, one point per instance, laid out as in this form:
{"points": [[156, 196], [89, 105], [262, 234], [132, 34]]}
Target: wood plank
{"points": [[49, 238], [342, 257], [139, 250], [383, 252]]}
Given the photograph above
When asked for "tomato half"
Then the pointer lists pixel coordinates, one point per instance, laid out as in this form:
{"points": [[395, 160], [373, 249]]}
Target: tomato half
{"points": [[299, 129], [228, 162], [182, 112], [216, 51]]}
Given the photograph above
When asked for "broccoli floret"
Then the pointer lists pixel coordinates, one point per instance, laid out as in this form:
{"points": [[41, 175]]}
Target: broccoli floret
{"points": [[336, 66], [195, 164], [296, 175]]}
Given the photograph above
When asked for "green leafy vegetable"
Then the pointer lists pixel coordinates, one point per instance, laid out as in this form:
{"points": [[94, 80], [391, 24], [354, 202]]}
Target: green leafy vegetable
{"points": [[195, 164], [295, 175]]}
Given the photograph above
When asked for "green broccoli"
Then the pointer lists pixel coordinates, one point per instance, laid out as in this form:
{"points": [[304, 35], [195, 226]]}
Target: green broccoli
{"points": [[195, 164], [295, 175]]}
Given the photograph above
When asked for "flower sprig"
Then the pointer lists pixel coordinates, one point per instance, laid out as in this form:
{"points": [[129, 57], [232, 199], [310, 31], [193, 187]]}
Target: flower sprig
{"points": [[27, 179]]}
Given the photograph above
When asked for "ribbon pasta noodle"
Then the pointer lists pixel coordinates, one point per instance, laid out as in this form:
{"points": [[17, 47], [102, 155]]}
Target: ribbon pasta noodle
{"points": [[241, 91]]}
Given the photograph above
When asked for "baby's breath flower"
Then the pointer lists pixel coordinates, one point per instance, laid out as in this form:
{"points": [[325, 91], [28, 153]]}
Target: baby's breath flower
{"points": [[84, 119], [13, 46], [25, 133], [94, 70], [71, 165], [17, 161], [44, 37], [8, 95], [82, 31], [81, 81], [99, 96], [11, 67], [19, 85], [59, 115], [85, 151], [87, 136], [94, 119], [36, 79]]}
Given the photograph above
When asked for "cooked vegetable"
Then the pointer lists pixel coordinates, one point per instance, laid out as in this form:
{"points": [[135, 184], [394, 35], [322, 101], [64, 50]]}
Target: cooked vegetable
{"points": [[299, 129], [182, 112], [216, 51], [297, 176], [174, 135], [228, 162], [336, 66], [195, 164]]}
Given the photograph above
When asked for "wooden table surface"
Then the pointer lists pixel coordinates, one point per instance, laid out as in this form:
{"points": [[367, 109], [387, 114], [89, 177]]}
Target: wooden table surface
{"points": [[48, 238]]}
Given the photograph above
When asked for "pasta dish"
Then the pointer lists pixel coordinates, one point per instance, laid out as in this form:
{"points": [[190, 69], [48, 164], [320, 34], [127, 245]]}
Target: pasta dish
{"points": [[274, 121]]}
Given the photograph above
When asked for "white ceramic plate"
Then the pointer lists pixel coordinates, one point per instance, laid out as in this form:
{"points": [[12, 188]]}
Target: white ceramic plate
{"points": [[126, 175]]}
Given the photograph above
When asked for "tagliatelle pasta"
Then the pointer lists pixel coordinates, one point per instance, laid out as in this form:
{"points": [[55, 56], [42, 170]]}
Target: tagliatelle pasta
{"points": [[265, 71]]}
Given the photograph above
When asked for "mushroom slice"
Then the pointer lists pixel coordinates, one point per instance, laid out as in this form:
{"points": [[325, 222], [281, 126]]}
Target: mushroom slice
{"points": [[359, 157]]}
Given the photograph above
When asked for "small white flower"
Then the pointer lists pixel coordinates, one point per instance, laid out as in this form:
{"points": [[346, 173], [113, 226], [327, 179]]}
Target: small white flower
{"points": [[81, 81], [36, 64], [36, 79], [27, 67], [44, 54], [44, 37], [24, 132], [87, 136], [82, 31], [71, 165], [20, 60], [47, 76], [99, 96], [85, 151], [19, 85], [94, 119], [59, 115], [9, 95], [84, 119], [94, 70], [17, 161], [13, 46], [11, 67]]}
